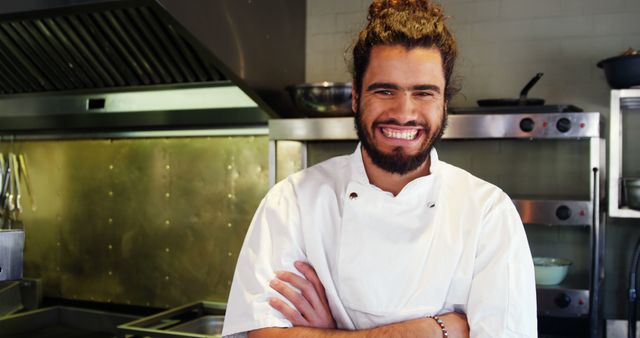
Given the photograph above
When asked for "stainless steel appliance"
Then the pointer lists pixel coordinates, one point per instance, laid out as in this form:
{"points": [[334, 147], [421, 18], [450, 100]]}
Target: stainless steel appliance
{"points": [[62, 61], [578, 297], [200, 319]]}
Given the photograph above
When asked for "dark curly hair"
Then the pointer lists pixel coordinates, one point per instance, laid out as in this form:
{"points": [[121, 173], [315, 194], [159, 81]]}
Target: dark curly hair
{"points": [[409, 23]]}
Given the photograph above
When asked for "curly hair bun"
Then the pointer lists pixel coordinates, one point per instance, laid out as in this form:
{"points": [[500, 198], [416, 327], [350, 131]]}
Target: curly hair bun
{"points": [[383, 7]]}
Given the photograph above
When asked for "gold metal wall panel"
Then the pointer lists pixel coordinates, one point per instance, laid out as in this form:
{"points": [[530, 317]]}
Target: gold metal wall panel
{"points": [[152, 222], [288, 158]]}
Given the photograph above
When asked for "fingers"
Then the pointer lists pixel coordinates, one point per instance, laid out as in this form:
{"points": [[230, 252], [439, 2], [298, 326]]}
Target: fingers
{"points": [[297, 299], [310, 274], [306, 287], [292, 315]]}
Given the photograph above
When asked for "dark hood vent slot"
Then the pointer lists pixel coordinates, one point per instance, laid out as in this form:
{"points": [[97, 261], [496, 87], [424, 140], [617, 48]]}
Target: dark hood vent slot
{"points": [[94, 49]]}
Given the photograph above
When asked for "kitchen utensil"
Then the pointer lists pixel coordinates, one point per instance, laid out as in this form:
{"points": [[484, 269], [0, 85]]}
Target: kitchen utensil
{"points": [[27, 180], [550, 270], [16, 178], [631, 192], [322, 99], [521, 101], [622, 71]]}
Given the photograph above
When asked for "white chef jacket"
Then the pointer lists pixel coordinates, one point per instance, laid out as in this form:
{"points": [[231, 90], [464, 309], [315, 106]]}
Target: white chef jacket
{"points": [[448, 241]]}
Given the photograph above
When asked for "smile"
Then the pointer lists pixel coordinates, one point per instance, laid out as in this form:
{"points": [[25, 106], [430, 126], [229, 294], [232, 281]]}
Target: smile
{"points": [[401, 134]]}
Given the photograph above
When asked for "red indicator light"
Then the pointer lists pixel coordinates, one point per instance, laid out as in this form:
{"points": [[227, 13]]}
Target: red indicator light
{"points": [[581, 212], [582, 125], [544, 124], [581, 302]]}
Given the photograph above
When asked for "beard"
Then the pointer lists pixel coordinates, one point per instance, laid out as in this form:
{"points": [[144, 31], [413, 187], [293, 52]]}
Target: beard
{"points": [[397, 162]]}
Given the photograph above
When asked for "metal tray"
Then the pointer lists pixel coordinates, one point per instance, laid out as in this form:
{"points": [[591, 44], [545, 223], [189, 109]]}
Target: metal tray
{"points": [[207, 325], [200, 319]]}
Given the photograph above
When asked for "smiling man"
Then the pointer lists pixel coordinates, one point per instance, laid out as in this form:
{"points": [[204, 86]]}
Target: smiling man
{"points": [[388, 241]]}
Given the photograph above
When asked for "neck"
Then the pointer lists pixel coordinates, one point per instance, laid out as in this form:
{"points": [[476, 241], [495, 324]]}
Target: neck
{"points": [[392, 182]]}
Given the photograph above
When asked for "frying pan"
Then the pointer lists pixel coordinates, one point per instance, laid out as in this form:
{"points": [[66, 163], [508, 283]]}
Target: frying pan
{"points": [[522, 101]]}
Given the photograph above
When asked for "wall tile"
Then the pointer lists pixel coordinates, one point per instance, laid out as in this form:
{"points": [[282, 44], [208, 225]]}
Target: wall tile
{"points": [[614, 24]]}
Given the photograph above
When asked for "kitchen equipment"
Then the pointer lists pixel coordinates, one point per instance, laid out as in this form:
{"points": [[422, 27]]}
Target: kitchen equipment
{"points": [[624, 103], [11, 254], [578, 297], [541, 109], [200, 319], [76, 60], [622, 71], [63, 321], [322, 99], [550, 270], [10, 299], [521, 101], [631, 191], [206, 325]]}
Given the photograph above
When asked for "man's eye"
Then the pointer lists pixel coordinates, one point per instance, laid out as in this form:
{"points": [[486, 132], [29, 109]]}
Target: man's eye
{"points": [[424, 94], [384, 92]]}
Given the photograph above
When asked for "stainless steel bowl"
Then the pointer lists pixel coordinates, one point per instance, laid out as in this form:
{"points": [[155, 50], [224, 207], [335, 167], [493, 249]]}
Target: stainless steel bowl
{"points": [[322, 99]]}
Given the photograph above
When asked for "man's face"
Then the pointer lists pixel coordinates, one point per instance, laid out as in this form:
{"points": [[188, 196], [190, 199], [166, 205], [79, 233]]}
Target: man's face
{"points": [[400, 112]]}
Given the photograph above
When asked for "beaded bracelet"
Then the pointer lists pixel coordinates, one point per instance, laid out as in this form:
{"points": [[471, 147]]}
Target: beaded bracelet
{"points": [[445, 334]]}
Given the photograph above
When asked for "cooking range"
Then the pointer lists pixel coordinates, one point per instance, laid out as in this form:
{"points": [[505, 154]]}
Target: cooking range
{"points": [[569, 309]]}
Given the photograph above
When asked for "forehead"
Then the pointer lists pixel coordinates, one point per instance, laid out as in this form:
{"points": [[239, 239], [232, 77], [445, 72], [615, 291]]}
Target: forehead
{"points": [[398, 64]]}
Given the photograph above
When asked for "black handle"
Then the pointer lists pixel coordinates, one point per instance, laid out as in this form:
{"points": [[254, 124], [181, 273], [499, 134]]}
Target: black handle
{"points": [[527, 87]]}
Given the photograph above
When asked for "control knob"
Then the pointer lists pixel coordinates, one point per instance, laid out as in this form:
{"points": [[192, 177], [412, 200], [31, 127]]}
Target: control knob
{"points": [[527, 124], [562, 300], [563, 125], [563, 212]]}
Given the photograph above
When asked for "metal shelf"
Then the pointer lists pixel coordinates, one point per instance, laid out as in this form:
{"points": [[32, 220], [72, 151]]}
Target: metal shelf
{"points": [[298, 133], [460, 126], [620, 99], [555, 212]]}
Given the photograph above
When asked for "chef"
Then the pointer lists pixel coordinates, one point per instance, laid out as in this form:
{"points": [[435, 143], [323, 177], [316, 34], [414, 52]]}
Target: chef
{"points": [[389, 240]]}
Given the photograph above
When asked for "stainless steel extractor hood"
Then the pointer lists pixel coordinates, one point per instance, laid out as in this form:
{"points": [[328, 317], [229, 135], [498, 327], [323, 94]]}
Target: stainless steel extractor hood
{"points": [[96, 64]]}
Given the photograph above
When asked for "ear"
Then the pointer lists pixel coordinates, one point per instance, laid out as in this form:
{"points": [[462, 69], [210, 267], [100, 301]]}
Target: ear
{"points": [[354, 97]]}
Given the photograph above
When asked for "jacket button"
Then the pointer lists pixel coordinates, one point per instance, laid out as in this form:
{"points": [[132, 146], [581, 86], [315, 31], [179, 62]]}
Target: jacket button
{"points": [[353, 195]]}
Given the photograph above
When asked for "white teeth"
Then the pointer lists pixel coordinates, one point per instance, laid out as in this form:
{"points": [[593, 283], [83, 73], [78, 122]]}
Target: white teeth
{"points": [[404, 135]]}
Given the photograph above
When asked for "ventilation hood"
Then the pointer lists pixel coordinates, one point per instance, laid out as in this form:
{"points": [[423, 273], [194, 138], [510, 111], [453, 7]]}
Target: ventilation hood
{"points": [[105, 64]]}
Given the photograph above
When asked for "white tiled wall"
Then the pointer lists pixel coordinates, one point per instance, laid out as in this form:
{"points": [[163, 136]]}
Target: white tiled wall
{"points": [[503, 43]]}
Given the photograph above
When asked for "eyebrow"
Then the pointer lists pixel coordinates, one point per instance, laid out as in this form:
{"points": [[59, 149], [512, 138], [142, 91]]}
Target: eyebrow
{"points": [[385, 85]]}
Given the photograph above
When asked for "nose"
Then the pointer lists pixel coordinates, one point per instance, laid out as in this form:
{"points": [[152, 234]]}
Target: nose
{"points": [[406, 108]]}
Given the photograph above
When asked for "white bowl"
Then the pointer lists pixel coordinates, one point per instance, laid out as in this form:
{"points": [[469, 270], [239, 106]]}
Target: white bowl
{"points": [[550, 270]]}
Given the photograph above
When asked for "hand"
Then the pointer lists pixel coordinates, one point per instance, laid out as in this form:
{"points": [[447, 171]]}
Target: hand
{"points": [[456, 324], [311, 305]]}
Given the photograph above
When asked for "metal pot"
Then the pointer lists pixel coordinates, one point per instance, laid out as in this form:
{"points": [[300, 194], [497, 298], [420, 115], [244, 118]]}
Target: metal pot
{"points": [[521, 101], [622, 71], [322, 99]]}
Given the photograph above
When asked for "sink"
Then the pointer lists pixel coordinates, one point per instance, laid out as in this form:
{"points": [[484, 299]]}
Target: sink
{"points": [[208, 325], [200, 319], [62, 321]]}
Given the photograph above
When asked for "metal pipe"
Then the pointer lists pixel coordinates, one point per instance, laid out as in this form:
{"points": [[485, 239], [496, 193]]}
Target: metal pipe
{"points": [[633, 287]]}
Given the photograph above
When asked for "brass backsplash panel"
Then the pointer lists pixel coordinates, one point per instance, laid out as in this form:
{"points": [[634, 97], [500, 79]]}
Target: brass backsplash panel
{"points": [[152, 222]]}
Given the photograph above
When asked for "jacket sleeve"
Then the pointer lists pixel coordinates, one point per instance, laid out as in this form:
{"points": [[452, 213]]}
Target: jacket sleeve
{"points": [[273, 243], [502, 299]]}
